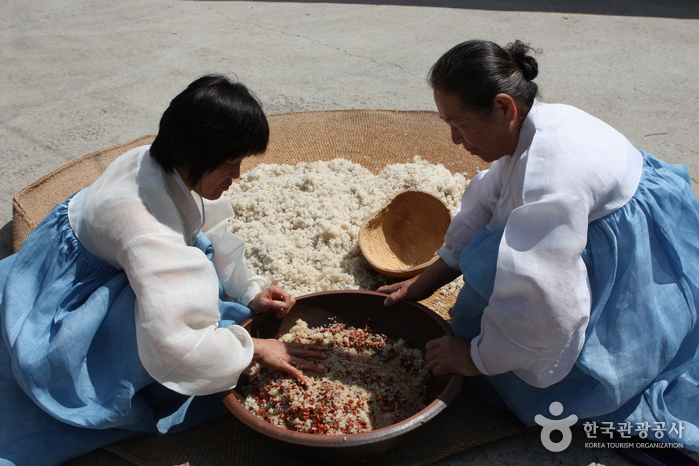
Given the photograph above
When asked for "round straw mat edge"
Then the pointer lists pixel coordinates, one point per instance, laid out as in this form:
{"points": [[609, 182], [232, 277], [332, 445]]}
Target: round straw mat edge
{"points": [[33, 202]]}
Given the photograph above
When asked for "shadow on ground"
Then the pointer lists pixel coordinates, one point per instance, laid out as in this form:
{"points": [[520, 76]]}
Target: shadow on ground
{"points": [[6, 240], [679, 9]]}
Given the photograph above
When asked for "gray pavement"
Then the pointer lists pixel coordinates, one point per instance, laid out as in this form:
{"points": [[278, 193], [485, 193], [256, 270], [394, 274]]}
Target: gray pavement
{"points": [[80, 75]]}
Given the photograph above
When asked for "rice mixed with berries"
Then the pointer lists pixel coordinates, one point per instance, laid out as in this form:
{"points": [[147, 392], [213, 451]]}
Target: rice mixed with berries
{"points": [[371, 381]]}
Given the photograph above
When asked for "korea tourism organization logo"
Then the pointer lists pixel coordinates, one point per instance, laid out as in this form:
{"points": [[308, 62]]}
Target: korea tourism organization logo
{"points": [[551, 425], [606, 434]]}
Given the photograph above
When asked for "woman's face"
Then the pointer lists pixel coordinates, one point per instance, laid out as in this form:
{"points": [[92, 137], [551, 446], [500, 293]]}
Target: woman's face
{"points": [[213, 184], [487, 137]]}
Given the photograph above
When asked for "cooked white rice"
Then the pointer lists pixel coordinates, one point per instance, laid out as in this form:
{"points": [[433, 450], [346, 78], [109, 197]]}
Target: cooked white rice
{"points": [[301, 222]]}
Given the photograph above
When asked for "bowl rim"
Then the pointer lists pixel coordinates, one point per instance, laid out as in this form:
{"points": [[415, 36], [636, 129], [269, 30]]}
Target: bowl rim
{"points": [[349, 440]]}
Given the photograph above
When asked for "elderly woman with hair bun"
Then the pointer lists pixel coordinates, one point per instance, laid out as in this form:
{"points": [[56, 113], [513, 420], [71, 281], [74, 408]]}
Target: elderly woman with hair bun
{"points": [[120, 313], [579, 252]]}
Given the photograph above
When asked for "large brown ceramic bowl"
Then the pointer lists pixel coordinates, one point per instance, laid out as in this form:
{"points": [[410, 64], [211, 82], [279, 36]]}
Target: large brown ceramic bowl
{"points": [[411, 321]]}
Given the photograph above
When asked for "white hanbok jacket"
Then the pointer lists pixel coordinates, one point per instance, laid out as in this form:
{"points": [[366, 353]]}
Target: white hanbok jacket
{"points": [[144, 221], [568, 170]]}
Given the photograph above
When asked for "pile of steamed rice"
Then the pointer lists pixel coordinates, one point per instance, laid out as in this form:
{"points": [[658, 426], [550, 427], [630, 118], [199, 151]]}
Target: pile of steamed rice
{"points": [[301, 222]]}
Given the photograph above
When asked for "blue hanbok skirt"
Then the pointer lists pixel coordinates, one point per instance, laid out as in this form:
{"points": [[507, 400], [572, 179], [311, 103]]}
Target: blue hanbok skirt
{"points": [[638, 371], [70, 377]]}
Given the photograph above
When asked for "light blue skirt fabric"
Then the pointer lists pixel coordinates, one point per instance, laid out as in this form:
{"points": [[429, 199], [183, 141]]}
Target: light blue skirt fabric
{"points": [[70, 377], [640, 360]]}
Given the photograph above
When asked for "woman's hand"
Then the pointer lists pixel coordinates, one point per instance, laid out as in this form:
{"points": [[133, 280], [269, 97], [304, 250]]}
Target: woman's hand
{"points": [[275, 354], [421, 286], [450, 355], [401, 291], [272, 298]]}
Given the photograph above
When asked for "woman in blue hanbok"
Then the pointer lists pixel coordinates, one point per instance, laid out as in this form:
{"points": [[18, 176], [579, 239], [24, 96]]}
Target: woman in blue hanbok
{"points": [[580, 257], [119, 313]]}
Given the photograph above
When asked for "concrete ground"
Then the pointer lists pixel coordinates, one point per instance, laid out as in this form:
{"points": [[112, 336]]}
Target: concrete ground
{"points": [[80, 75]]}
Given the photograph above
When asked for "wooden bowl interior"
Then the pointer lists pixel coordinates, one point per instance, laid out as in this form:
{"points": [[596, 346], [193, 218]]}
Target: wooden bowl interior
{"points": [[402, 238]]}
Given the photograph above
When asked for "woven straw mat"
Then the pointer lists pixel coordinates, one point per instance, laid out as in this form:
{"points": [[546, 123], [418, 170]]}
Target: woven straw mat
{"points": [[372, 138]]}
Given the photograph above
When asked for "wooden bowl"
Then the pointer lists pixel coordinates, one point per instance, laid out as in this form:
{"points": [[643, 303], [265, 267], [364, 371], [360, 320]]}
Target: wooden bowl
{"points": [[401, 239], [408, 320]]}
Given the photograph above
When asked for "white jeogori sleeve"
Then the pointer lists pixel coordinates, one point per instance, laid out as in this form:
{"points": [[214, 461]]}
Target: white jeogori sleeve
{"points": [[179, 342], [475, 212], [229, 254], [536, 318]]}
